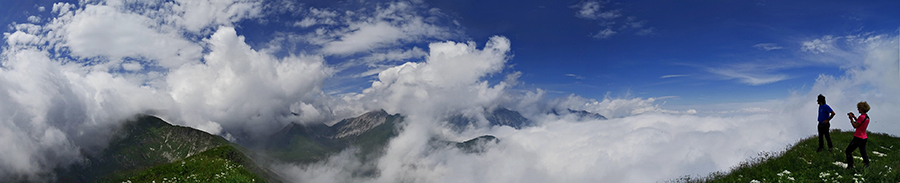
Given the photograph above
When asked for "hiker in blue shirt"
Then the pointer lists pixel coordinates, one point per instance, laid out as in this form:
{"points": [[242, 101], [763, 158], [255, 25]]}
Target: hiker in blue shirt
{"points": [[825, 115]]}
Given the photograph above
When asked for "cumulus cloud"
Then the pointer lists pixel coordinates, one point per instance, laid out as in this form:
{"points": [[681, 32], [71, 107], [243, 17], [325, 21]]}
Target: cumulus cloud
{"points": [[450, 67], [34, 19], [53, 111], [63, 91], [237, 81]]}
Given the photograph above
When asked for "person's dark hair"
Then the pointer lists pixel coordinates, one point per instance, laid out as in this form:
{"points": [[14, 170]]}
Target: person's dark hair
{"points": [[822, 98]]}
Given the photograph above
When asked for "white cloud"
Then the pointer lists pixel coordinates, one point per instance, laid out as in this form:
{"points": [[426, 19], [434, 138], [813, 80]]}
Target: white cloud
{"points": [[104, 31], [132, 66], [768, 46], [611, 21], [195, 15], [394, 55], [317, 16], [575, 76], [819, 45], [673, 76], [589, 10], [56, 106], [21, 38], [449, 78], [54, 111], [34, 19], [609, 15], [389, 26], [377, 61], [241, 88], [366, 36], [605, 33], [749, 77], [646, 32]]}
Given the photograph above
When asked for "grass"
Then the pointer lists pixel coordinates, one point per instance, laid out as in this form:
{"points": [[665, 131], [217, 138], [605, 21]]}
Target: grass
{"points": [[221, 164], [801, 163]]}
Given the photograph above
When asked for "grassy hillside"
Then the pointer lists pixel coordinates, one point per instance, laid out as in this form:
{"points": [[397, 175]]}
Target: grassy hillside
{"points": [[149, 149], [141, 143], [801, 163], [221, 164]]}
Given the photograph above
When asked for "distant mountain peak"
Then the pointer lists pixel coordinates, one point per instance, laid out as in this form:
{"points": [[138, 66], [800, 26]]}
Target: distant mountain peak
{"points": [[498, 117], [313, 142], [474, 145], [360, 124], [581, 114]]}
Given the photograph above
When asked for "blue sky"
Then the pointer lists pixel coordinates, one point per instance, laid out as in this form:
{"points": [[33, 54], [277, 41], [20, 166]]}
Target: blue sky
{"points": [[681, 44], [687, 39], [690, 53]]}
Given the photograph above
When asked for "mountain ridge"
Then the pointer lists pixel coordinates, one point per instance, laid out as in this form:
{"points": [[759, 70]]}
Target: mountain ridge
{"points": [[143, 143], [312, 142]]}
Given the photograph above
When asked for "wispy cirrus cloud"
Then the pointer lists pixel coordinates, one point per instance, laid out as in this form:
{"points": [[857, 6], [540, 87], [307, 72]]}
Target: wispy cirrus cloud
{"points": [[749, 77], [673, 76], [612, 20], [575, 76], [768, 46], [371, 30]]}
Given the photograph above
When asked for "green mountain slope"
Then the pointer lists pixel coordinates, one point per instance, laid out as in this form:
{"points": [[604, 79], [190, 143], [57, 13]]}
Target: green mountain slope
{"points": [[801, 163], [146, 143], [221, 164]]}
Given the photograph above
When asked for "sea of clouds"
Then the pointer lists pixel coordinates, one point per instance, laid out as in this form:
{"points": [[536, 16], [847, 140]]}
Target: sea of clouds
{"points": [[69, 77]]}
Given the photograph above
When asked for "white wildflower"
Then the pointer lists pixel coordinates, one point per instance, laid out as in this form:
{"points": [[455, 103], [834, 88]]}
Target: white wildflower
{"points": [[785, 172], [840, 164], [755, 181], [879, 154]]}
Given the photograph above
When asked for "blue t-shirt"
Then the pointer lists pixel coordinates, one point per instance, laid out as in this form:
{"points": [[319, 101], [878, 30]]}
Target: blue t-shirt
{"points": [[824, 112]]}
